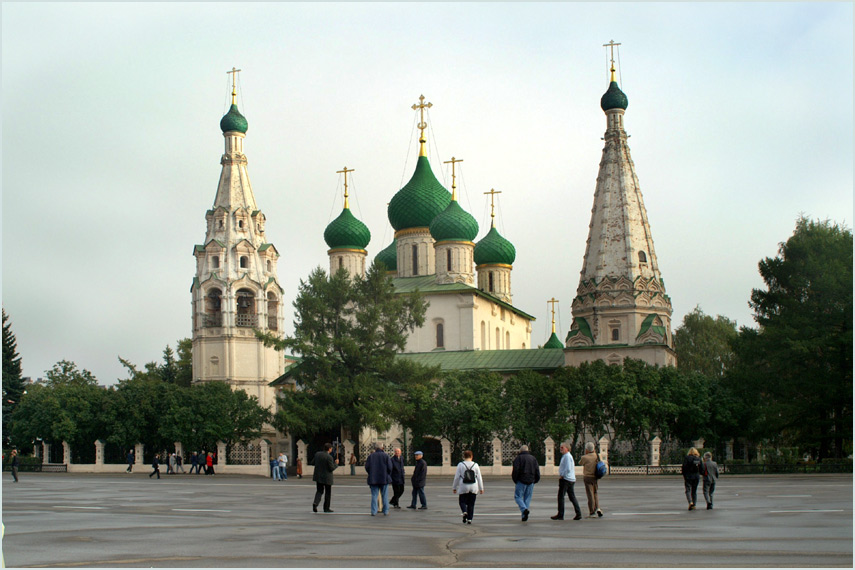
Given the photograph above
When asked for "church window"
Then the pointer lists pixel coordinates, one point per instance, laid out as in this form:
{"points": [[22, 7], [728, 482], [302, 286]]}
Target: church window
{"points": [[246, 316], [213, 308], [240, 224], [507, 340], [221, 224], [440, 335], [215, 262], [272, 312], [244, 262], [483, 335], [340, 262], [448, 259], [498, 339], [490, 280], [642, 257], [415, 260], [615, 334], [269, 266]]}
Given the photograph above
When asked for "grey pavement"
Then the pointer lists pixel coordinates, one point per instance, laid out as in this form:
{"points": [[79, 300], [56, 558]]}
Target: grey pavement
{"points": [[71, 520]]}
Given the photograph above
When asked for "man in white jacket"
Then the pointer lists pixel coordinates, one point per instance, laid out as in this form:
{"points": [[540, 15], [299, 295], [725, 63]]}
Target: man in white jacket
{"points": [[566, 481]]}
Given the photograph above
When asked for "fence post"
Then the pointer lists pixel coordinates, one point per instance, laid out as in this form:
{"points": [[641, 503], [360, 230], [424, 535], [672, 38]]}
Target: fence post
{"points": [[604, 449], [497, 455], [66, 453], [264, 445], [138, 455], [446, 453], [222, 460], [348, 451], [728, 450], [549, 459], [99, 452], [301, 451], [699, 443], [45, 452], [655, 445]]}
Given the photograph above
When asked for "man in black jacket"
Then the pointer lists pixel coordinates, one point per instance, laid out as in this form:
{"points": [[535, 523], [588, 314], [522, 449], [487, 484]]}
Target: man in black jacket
{"points": [[323, 477], [397, 478], [419, 480], [525, 473]]}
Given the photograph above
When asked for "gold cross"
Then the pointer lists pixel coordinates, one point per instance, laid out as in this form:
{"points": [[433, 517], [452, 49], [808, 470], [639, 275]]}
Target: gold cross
{"points": [[553, 301], [611, 45], [492, 194], [453, 161], [345, 171], [234, 73], [421, 106]]}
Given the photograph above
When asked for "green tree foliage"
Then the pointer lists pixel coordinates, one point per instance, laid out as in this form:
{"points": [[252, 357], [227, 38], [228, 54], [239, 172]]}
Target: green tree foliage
{"points": [[799, 362], [65, 373], [347, 332], [172, 371], [468, 409], [13, 383], [536, 407], [705, 344]]}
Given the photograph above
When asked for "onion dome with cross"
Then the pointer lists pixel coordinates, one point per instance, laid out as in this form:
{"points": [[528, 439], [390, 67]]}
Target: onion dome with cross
{"points": [[454, 223], [493, 248], [346, 232], [233, 121]]}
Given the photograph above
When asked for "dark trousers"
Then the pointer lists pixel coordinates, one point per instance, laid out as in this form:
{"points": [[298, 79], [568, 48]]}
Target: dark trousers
{"points": [[709, 489], [130, 467], [156, 470], [467, 504], [397, 491], [420, 493], [692, 489], [566, 487], [326, 491], [15, 473]]}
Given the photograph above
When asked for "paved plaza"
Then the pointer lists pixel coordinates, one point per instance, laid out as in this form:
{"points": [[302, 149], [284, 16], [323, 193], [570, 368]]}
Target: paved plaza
{"points": [[70, 520]]}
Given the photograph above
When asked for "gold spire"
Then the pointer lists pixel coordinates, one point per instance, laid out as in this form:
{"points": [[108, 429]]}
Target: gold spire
{"points": [[421, 106], [553, 301], [234, 73], [611, 45], [492, 194], [345, 171], [453, 161]]}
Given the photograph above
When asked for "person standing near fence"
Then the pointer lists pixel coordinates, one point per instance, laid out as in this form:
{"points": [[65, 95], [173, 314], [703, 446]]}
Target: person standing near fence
{"points": [[710, 470], [526, 474], [398, 482], [419, 480], [566, 482], [155, 466], [352, 463], [130, 460], [283, 466], [588, 462], [379, 469], [14, 463], [467, 485], [692, 469]]}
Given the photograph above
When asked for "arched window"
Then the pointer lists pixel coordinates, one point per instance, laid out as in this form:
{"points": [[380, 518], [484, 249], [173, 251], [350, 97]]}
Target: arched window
{"points": [[507, 340], [213, 308], [340, 262], [498, 339], [483, 335], [415, 259], [448, 260], [246, 316], [269, 266], [490, 284], [244, 262], [642, 257], [272, 312], [440, 335], [215, 262], [615, 334]]}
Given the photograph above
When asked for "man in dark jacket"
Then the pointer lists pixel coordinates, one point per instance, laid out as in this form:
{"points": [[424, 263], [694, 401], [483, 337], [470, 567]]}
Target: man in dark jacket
{"points": [[397, 478], [419, 480], [379, 469], [525, 473], [323, 477]]}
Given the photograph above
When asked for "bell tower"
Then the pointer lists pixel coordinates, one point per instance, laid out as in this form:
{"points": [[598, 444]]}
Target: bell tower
{"points": [[236, 288]]}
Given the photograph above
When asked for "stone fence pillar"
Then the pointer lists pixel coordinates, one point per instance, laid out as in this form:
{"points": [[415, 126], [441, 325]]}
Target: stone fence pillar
{"points": [[264, 445], [66, 453], [99, 452], [699, 443], [45, 452], [301, 451], [138, 454], [497, 455], [604, 449], [348, 451], [179, 448], [221, 453], [728, 450], [655, 445], [549, 467], [446, 453]]}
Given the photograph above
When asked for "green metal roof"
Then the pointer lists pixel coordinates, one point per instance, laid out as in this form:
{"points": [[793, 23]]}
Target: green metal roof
{"points": [[454, 224], [389, 256], [614, 98], [493, 248], [420, 200], [233, 121], [347, 232], [428, 284], [493, 360], [554, 342]]}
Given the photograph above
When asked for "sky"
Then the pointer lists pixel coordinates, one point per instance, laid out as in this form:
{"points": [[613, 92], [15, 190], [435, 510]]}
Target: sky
{"points": [[740, 118]]}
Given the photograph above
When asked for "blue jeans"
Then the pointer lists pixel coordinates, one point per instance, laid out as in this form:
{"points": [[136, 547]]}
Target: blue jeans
{"points": [[375, 489], [274, 472], [522, 495], [420, 493], [282, 473]]}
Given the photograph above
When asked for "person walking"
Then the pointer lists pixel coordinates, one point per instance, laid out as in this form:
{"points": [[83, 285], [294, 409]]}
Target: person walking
{"points": [[209, 464], [526, 474], [398, 482], [14, 463], [155, 466], [419, 480], [179, 462], [197, 461], [467, 485], [710, 470], [283, 466], [379, 469], [323, 478], [170, 463], [566, 481], [692, 468], [588, 462], [352, 462], [130, 459]]}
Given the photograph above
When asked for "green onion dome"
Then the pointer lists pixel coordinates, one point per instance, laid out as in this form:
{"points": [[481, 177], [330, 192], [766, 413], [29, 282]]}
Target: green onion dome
{"points": [[233, 121], [389, 256], [554, 342], [494, 249], [454, 224], [421, 200], [614, 98], [346, 232]]}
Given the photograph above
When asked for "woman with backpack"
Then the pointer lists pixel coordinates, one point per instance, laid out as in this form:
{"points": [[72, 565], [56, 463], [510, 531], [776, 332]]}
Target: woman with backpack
{"points": [[692, 469], [467, 485]]}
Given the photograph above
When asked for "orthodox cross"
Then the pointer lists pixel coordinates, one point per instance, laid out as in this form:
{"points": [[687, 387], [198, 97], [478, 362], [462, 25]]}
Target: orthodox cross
{"points": [[453, 161], [421, 106], [611, 45], [345, 171], [234, 73], [492, 194], [552, 301]]}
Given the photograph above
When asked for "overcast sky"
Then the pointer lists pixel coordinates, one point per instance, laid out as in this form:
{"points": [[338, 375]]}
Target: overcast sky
{"points": [[740, 118]]}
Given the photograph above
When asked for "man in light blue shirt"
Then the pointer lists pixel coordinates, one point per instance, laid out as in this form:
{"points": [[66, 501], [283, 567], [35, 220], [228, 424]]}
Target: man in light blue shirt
{"points": [[566, 480]]}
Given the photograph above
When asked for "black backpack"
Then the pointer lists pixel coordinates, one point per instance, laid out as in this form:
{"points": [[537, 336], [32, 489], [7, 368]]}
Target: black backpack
{"points": [[469, 474]]}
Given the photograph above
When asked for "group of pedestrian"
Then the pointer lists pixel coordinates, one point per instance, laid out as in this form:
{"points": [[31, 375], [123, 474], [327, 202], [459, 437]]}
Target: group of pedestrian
{"points": [[175, 463], [278, 467], [694, 468]]}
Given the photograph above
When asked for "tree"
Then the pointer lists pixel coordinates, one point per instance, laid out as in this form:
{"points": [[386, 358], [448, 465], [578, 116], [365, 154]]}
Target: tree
{"points": [[65, 373], [13, 383], [799, 362], [347, 332], [536, 408], [705, 344], [184, 365]]}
